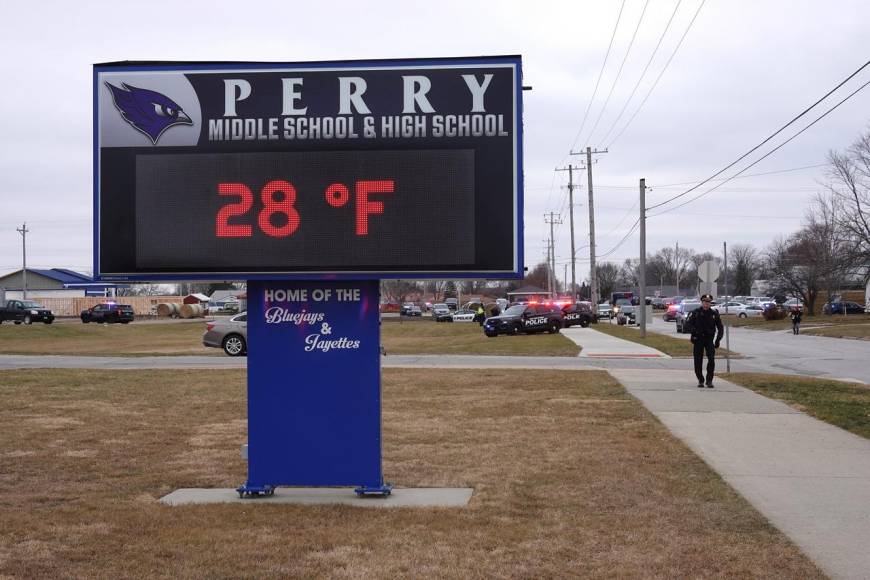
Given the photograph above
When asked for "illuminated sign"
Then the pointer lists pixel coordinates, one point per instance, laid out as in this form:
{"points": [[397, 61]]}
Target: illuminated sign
{"points": [[407, 168]]}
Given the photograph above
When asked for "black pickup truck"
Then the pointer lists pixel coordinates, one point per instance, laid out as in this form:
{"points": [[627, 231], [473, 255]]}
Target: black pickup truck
{"points": [[526, 318], [26, 311]]}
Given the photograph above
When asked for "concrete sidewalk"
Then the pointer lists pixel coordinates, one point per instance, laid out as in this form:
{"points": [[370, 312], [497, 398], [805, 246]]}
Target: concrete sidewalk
{"points": [[599, 345], [810, 479]]}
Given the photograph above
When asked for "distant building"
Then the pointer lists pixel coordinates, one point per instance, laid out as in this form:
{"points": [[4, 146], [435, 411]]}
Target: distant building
{"points": [[196, 299], [760, 288], [528, 294], [54, 283]]}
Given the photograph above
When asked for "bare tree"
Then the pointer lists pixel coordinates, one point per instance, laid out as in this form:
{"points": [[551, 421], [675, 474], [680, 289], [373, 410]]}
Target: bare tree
{"points": [[629, 273], [813, 259], [397, 290], [608, 275], [672, 264], [850, 172], [538, 276], [743, 265]]}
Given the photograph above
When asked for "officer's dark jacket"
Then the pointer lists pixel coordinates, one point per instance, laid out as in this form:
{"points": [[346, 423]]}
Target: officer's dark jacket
{"points": [[706, 323]]}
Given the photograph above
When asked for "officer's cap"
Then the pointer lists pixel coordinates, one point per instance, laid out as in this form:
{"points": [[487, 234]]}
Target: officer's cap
{"points": [[707, 298]]}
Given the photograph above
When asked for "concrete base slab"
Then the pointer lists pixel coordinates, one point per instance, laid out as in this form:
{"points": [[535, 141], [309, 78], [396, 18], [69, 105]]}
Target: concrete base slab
{"points": [[400, 497]]}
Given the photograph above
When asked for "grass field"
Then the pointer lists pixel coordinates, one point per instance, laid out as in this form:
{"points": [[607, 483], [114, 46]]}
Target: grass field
{"points": [[424, 336], [845, 405], [571, 478], [421, 336], [856, 331], [669, 345], [180, 337], [808, 322]]}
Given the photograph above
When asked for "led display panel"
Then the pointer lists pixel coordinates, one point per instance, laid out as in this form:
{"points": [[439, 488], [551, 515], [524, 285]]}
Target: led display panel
{"points": [[299, 170]]}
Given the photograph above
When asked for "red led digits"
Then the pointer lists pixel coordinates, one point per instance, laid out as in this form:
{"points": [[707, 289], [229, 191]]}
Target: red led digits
{"points": [[285, 206], [222, 227], [366, 207], [337, 195], [279, 197]]}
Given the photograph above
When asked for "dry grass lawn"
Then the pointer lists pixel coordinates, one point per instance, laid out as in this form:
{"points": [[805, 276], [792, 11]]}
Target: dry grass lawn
{"points": [[856, 331], [675, 347], [846, 405], [572, 478], [425, 336], [419, 336], [178, 337], [808, 322]]}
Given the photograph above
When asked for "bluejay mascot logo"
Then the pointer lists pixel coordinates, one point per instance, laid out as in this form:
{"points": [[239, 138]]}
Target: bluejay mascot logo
{"points": [[148, 112]]}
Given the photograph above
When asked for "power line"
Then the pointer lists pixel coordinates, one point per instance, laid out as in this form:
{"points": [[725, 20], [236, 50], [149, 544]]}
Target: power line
{"points": [[750, 175], [622, 241], [643, 74], [658, 78], [600, 74], [778, 131], [619, 72], [772, 151]]}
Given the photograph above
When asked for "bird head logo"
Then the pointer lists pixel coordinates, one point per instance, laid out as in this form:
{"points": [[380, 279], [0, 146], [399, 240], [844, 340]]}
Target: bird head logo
{"points": [[149, 112]]}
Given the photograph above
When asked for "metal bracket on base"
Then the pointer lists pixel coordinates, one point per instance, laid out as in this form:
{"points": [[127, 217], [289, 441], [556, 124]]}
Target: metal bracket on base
{"points": [[255, 490], [382, 490]]}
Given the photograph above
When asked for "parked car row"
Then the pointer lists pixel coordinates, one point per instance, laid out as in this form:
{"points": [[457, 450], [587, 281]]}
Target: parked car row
{"points": [[30, 311]]}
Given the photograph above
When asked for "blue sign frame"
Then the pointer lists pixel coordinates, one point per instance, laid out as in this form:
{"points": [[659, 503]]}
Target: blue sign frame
{"points": [[314, 386], [515, 271]]}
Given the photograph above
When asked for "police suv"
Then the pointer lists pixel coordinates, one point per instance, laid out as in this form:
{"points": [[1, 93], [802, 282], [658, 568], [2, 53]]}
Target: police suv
{"points": [[527, 318]]}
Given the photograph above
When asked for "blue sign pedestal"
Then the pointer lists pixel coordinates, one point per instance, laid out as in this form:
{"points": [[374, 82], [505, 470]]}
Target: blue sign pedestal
{"points": [[314, 386]]}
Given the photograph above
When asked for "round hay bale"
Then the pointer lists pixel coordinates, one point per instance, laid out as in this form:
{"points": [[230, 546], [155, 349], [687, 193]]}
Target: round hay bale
{"points": [[167, 309], [192, 311]]}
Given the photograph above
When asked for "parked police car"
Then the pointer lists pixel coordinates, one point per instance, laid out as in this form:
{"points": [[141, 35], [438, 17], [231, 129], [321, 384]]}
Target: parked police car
{"points": [[578, 313], [528, 318]]}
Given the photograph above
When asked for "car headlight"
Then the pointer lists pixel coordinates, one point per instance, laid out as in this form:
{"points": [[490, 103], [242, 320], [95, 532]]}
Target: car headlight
{"points": [[34, 312]]}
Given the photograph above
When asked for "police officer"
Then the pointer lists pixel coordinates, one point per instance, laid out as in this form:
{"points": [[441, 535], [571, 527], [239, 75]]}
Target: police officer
{"points": [[706, 328]]}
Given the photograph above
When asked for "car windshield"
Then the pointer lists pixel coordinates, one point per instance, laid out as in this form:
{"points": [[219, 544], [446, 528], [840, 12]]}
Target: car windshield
{"points": [[515, 310], [623, 302], [31, 304]]}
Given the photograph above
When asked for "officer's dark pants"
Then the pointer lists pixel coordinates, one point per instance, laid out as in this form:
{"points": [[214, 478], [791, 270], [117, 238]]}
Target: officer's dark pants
{"points": [[702, 345]]}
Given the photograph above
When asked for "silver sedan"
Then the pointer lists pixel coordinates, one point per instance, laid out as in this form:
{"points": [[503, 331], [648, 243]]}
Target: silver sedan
{"points": [[229, 334]]}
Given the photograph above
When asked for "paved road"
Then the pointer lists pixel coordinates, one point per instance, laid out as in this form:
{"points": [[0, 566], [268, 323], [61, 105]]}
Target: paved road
{"points": [[778, 352], [783, 352]]}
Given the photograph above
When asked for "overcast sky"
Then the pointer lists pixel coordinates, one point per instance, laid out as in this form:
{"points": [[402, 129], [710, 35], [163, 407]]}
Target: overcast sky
{"points": [[744, 69]]}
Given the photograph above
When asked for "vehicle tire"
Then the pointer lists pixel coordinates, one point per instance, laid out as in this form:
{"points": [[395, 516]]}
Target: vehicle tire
{"points": [[554, 328], [85, 320], [124, 321], [17, 322], [48, 321], [741, 315], [27, 320], [234, 345], [584, 324], [516, 329], [491, 334]]}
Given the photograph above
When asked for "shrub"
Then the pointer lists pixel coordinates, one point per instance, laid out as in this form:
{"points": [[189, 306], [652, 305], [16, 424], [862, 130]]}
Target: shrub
{"points": [[775, 313]]}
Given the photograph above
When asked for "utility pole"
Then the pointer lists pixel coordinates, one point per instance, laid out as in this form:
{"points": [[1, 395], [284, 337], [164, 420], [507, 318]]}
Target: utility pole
{"points": [[566, 281], [727, 324], [23, 231], [570, 170], [552, 265], [593, 279], [642, 273]]}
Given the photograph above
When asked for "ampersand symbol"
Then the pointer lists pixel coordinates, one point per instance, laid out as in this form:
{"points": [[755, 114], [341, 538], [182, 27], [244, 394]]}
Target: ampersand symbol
{"points": [[325, 329]]}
